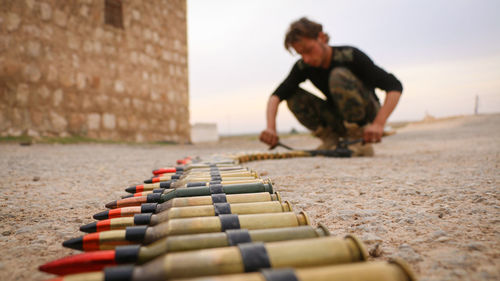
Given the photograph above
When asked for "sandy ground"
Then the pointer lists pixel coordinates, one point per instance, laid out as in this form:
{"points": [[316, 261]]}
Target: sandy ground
{"points": [[430, 195]]}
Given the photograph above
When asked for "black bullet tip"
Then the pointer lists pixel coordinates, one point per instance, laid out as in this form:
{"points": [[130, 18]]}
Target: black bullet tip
{"points": [[148, 181], [127, 196], [74, 243], [131, 189], [104, 215], [111, 205], [89, 228]]}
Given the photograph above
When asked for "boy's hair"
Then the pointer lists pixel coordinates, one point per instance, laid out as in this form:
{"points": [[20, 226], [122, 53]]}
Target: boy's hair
{"points": [[302, 27]]}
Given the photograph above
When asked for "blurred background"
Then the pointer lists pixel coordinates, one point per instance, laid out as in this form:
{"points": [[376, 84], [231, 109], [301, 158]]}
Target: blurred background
{"points": [[446, 53]]}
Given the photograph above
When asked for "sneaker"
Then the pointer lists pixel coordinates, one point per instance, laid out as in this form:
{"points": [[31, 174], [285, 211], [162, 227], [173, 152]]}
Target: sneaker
{"points": [[328, 137], [355, 132], [360, 149]]}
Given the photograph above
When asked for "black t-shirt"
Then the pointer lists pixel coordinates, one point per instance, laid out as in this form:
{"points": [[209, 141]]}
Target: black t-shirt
{"points": [[349, 57]]}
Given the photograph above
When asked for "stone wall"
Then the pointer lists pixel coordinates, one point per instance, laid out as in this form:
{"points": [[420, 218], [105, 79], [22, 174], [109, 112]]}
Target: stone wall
{"points": [[63, 71]]}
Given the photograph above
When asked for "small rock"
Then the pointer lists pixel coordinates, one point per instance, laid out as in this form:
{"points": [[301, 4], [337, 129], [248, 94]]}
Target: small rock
{"points": [[437, 234], [443, 239], [410, 221], [25, 229], [476, 246], [36, 178], [376, 250], [39, 241]]}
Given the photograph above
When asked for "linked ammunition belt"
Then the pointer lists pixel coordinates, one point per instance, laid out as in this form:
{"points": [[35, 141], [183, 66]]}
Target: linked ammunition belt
{"points": [[217, 220]]}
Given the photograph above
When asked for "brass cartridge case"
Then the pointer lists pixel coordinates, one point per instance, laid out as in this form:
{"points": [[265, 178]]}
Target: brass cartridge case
{"points": [[213, 224], [296, 253], [210, 210], [394, 270], [153, 186], [181, 243], [243, 179], [193, 173], [231, 198], [194, 211]]}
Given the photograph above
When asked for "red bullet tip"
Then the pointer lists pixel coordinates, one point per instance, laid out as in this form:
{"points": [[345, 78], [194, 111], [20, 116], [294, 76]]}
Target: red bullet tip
{"points": [[85, 262], [164, 170]]}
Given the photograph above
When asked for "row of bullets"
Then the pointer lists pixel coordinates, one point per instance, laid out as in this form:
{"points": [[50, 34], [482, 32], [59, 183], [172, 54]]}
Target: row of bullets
{"points": [[213, 220]]}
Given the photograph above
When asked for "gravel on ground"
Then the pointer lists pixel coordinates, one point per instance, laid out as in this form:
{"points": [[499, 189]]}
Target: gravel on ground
{"points": [[430, 195]]}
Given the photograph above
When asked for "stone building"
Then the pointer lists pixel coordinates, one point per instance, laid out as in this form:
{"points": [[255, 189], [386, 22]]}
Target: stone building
{"points": [[106, 69]]}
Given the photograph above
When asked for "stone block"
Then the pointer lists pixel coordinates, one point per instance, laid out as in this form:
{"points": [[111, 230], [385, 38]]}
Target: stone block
{"points": [[4, 123], [97, 47], [47, 32], [102, 101], [76, 123], [43, 92], [67, 78], [138, 104], [30, 4], [33, 133], [119, 86], [45, 11], [52, 74], [58, 122], [122, 123], [34, 49], [32, 73], [139, 137], [94, 121], [38, 119], [136, 15], [22, 94], [60, 18], [81, 81], [57, 97], [95, 82], [73, 40], [12, 22], [88, 47], [133, 122], [109, 121], [84, 11]]}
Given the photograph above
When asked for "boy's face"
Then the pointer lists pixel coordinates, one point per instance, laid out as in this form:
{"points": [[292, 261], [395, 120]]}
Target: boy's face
{"points": [[313, 51]]}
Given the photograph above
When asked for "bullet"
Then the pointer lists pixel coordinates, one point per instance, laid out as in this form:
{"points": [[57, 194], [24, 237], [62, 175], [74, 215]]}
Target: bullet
{"points": [[196, 184], [146, 187], [168, 184], [164, 171], [188, 201], [97, 260], [394, 270], [246, 257], [179, 170], [208, 177], [169, 194], [218, 165], [188, 212], [184, 161], [108, 240]]}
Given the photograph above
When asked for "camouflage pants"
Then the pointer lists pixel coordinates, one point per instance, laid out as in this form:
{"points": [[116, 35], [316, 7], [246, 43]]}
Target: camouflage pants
{"points": [[351, 102]]}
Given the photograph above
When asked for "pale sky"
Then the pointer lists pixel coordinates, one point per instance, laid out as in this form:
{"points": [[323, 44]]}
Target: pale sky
{"points": [[444, 52]]}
